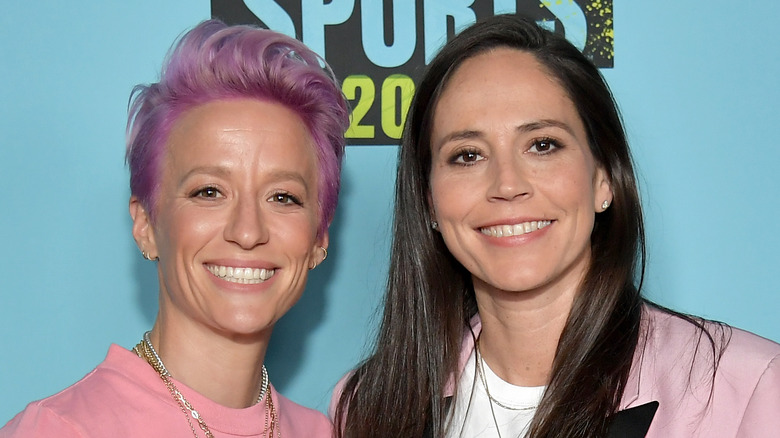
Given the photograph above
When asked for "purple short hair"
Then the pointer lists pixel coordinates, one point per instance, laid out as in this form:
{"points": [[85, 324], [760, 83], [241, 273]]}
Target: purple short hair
{"points": [[214, 61]]}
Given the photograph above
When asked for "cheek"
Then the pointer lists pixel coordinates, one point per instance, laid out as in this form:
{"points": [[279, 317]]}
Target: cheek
{"points": [[185, 230], [576, 193], [446, 197], [572, 187], [296, 234]]}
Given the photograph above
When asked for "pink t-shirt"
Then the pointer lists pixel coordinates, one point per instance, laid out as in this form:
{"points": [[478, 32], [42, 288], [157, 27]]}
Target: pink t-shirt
{"points": [[125, 397]]}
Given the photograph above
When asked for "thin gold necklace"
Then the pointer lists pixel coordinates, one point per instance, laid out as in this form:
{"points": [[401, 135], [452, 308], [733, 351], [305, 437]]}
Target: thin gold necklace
{"points": [[484, 384], [481, 368], [481, 372], [145, 350]]}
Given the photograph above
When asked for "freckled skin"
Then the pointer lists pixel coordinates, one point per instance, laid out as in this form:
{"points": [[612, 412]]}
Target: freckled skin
{"points": [[230, 175]]}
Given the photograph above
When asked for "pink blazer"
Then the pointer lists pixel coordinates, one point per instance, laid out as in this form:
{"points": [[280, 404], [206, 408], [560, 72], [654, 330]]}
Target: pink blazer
{"points": [[671, 378], [745, 396]]}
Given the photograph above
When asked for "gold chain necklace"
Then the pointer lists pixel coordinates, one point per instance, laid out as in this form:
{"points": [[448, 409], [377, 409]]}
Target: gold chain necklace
{"points": [[145, 350]]}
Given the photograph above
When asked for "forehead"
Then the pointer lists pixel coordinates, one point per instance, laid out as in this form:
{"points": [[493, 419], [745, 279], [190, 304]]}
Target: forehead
{"points": [[504, 81], [238, 132]]}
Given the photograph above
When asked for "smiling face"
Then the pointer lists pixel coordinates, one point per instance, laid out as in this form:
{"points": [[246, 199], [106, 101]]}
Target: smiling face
{"points": [[236, 218], [514, 186]]}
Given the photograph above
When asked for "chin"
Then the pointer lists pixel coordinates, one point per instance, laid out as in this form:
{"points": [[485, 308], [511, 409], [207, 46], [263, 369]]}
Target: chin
{"points": [[248, 326]]}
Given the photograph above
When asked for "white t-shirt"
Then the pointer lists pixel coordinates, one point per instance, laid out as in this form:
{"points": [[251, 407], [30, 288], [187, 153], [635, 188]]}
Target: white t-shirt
{"points": [[471, 416]]}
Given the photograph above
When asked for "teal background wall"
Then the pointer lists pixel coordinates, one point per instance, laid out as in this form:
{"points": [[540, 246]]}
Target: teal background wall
{"points": [[697, 83]]}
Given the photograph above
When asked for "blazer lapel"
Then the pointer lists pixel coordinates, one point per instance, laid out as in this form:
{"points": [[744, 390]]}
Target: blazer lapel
{"points": [[629, 423], [633, 422]]}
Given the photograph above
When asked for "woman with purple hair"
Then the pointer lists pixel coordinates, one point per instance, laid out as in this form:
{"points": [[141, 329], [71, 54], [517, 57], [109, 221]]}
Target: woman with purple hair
{"points": [[234, 160]]}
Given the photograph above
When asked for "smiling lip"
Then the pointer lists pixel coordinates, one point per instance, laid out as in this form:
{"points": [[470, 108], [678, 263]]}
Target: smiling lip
{"points": [[241, 275], [518, 229]]}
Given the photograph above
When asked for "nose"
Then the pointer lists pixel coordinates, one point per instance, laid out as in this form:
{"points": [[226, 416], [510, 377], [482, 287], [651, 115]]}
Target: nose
{"points": [[246, 227], [509, 179]]}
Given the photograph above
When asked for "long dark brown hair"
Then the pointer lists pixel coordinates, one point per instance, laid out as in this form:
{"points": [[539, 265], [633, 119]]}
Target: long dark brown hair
{"points": [[398, 390]]}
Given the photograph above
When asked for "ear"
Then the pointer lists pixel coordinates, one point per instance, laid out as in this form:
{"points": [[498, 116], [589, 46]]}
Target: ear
{"points": [[142, 228], [602, 190]]}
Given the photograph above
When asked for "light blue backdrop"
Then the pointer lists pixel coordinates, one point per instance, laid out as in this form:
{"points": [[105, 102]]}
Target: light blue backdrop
{"points": [[697, 82]]}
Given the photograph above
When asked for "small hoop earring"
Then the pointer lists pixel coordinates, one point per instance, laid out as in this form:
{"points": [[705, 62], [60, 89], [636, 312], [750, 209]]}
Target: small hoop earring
{"points": [[434, 225], [325, 251], [605, 205], [325, 256], [148, 257]]}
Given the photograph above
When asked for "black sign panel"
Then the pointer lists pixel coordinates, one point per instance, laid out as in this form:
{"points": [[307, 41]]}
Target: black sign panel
{"points": [[378, 48]]}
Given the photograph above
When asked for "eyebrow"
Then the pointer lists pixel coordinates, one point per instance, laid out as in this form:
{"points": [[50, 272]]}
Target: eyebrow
{"points": [[524, 128], [275, 175], [457, 136], [208, 170], [545, 123], [286, 175]]}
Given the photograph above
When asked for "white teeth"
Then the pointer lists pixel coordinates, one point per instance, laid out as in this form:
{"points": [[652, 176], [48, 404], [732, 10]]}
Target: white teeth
{"points": [[241, 275], [514, 230]]}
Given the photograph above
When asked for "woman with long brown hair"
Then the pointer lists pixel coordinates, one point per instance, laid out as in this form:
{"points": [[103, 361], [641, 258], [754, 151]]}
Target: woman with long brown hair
{"points": [[513, 304]]}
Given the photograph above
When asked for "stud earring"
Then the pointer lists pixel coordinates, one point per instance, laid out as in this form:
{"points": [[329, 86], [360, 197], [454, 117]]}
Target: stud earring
{"points": [[605, 205], [434, 225]]}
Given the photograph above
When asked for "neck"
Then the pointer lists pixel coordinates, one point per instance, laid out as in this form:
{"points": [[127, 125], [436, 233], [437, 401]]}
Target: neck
{"points": [[226, 370], [521, 330]]}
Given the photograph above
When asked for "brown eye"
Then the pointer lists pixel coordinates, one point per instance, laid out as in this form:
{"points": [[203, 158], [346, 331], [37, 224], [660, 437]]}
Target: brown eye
{"points": [[466, 157], [543, 146], [285, 199], [207, 192], [469, 157]]}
